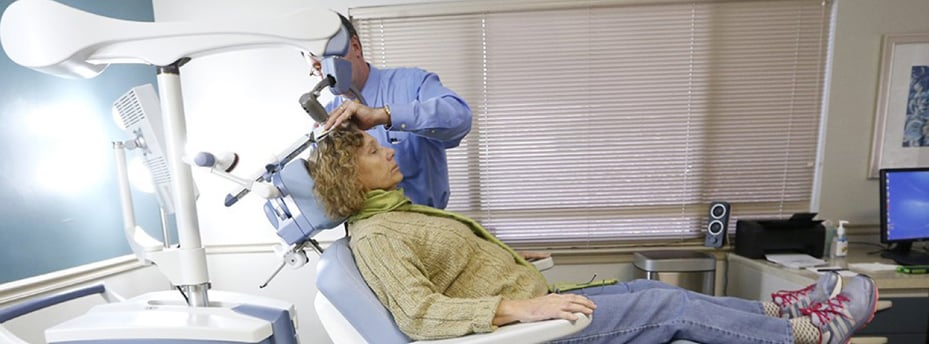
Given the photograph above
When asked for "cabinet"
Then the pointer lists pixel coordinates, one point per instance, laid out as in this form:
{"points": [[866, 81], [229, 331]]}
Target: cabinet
{"points": [[906, 321]]}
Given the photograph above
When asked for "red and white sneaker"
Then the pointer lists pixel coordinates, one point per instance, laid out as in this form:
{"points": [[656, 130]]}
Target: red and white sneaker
{"points": [[792, 301], [838, 318]]}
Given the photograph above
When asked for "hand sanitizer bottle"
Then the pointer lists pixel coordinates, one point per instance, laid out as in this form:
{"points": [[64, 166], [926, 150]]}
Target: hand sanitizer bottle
{"points": [[840, 244], [841, 240]]}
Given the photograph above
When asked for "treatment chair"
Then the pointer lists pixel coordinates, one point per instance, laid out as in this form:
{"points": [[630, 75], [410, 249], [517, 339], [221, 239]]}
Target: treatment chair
{"points": [[351, 313], [348, 309]]}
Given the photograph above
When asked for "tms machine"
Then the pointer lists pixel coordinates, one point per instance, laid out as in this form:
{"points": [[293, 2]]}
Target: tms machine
{"points": [[56, 39]]}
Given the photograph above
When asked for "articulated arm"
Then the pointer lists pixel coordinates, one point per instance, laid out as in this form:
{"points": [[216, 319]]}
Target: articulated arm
{"points": [[56, 39]]}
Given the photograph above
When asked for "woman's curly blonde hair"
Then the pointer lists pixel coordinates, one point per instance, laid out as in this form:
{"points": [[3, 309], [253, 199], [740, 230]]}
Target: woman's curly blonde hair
{"points": [[335, 172]]}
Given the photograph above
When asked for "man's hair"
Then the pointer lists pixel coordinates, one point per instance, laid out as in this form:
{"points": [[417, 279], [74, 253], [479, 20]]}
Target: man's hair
{"points": [[335, 172], [347, 23]]}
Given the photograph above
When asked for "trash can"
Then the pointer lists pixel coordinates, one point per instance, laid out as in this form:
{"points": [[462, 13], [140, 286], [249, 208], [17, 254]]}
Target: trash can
{"points": [[686, 269]]}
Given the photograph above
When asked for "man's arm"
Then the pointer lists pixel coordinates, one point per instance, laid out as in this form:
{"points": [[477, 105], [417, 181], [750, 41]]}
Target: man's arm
{"points": [[438, 113]]}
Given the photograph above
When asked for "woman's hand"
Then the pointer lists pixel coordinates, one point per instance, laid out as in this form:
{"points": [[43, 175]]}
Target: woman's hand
{"points": [[533, 256], [551, 306]]}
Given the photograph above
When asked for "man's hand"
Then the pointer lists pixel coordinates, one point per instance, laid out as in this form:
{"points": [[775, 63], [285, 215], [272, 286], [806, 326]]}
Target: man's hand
{"points": [[364, 117], [551, 306]]}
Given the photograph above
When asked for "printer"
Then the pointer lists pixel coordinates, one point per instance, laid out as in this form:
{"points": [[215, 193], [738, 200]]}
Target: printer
{"points": [[799, 234]]}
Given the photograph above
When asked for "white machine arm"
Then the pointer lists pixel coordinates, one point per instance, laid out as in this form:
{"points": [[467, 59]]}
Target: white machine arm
{"points": [[82, 44], [56, 39]]}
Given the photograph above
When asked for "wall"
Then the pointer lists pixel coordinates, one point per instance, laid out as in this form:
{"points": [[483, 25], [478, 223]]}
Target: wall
{"points": [[846, 192], [57, 171]]}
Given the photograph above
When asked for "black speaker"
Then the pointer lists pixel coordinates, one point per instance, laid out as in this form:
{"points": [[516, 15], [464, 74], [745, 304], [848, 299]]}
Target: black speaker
{"points": [[716, 225]]}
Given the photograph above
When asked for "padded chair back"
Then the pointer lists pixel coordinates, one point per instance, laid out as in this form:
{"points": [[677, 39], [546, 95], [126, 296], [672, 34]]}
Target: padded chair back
{"points": [[338, 279], [297, 215]]}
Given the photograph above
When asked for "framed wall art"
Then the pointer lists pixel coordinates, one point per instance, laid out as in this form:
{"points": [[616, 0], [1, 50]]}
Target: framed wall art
{"points": [[901, 124]]}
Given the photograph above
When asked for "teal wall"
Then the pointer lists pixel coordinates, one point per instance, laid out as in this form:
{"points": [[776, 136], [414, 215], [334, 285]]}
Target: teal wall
{"points": [[59, 202]]}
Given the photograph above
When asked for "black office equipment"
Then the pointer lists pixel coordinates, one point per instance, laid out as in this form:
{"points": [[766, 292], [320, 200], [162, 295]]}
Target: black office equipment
{"points": [[799, 234], [716, 224]]}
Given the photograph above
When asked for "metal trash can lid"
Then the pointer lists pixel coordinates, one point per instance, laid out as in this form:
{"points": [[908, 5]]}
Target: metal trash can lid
{"points": [[674, 260]]}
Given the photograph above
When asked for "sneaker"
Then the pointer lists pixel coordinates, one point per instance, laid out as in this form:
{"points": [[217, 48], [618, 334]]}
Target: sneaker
{"points": [[839, 317], [792, 301]]}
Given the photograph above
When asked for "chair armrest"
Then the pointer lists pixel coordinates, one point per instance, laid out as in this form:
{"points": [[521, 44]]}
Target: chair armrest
{"points": [[534, 332], [15, 311], [544, 263], [30, 306]]}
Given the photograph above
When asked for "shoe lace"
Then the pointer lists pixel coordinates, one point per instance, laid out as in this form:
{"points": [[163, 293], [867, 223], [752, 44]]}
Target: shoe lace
{"points": [[791, 296], [825, 311]]}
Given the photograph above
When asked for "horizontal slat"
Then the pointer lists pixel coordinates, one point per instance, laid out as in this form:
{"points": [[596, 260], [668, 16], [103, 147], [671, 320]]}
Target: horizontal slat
{"points": [[622, 122]]}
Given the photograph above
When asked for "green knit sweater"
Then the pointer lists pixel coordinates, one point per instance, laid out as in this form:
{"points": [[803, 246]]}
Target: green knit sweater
{"points": [[435, 275]]}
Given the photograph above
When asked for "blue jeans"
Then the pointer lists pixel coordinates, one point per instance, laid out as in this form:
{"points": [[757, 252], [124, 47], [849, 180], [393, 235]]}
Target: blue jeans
{"points": [[645, 311]]}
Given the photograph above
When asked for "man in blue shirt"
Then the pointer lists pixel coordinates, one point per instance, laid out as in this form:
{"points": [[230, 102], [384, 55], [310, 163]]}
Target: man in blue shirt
{"points": [[409, 110]]}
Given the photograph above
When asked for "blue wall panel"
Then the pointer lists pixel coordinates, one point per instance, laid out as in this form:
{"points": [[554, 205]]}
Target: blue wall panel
{"points": [[59, 202]]}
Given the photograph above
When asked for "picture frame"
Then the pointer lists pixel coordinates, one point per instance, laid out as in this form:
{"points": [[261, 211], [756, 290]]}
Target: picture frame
{"points": [[901, 119]]}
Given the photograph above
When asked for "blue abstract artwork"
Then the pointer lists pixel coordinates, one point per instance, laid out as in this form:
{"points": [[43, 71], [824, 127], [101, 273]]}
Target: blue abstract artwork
{"points": [[916, 126]]}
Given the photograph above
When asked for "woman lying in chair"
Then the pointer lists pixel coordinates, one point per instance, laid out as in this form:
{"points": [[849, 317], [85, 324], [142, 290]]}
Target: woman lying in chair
{"points": [[442, 275]]}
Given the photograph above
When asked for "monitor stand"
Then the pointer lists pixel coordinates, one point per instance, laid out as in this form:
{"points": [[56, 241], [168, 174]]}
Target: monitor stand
{"points": [[904, 255]]}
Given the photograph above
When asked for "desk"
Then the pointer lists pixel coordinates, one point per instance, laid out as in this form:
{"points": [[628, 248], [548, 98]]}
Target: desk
{"points": [[906, 321]]}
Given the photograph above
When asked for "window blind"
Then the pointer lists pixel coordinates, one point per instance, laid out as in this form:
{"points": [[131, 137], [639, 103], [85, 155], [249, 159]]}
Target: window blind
{"points": [[597, 123]]}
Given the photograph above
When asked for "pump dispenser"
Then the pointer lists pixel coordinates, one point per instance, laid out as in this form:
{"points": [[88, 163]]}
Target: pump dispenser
{"points": [[841, 240]]}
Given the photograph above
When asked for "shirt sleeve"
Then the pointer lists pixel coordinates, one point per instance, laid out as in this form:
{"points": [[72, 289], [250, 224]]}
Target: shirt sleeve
{"points": [[394, 273], [437, 112]]}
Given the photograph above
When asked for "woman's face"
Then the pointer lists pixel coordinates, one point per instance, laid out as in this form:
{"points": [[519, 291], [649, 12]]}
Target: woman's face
{"points": [[376, 166]]}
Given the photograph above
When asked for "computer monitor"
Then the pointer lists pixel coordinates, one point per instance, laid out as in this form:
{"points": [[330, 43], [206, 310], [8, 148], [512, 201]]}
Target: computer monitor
{"points": [[905, 213]]}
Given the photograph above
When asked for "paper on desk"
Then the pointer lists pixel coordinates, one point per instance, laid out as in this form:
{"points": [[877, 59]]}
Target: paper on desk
{"points": [[873, 267], [794, 260], [838, 269]]}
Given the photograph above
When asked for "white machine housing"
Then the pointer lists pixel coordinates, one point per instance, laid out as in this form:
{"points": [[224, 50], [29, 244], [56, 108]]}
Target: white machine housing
{"points": [[56, 39]]}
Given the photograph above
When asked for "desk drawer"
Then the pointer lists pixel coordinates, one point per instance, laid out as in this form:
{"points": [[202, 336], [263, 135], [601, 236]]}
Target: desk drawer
{"points": [[907, 319]]}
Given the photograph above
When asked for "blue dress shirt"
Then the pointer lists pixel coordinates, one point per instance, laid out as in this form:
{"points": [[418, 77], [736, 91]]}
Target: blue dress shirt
{"points": [[426, 119]]}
